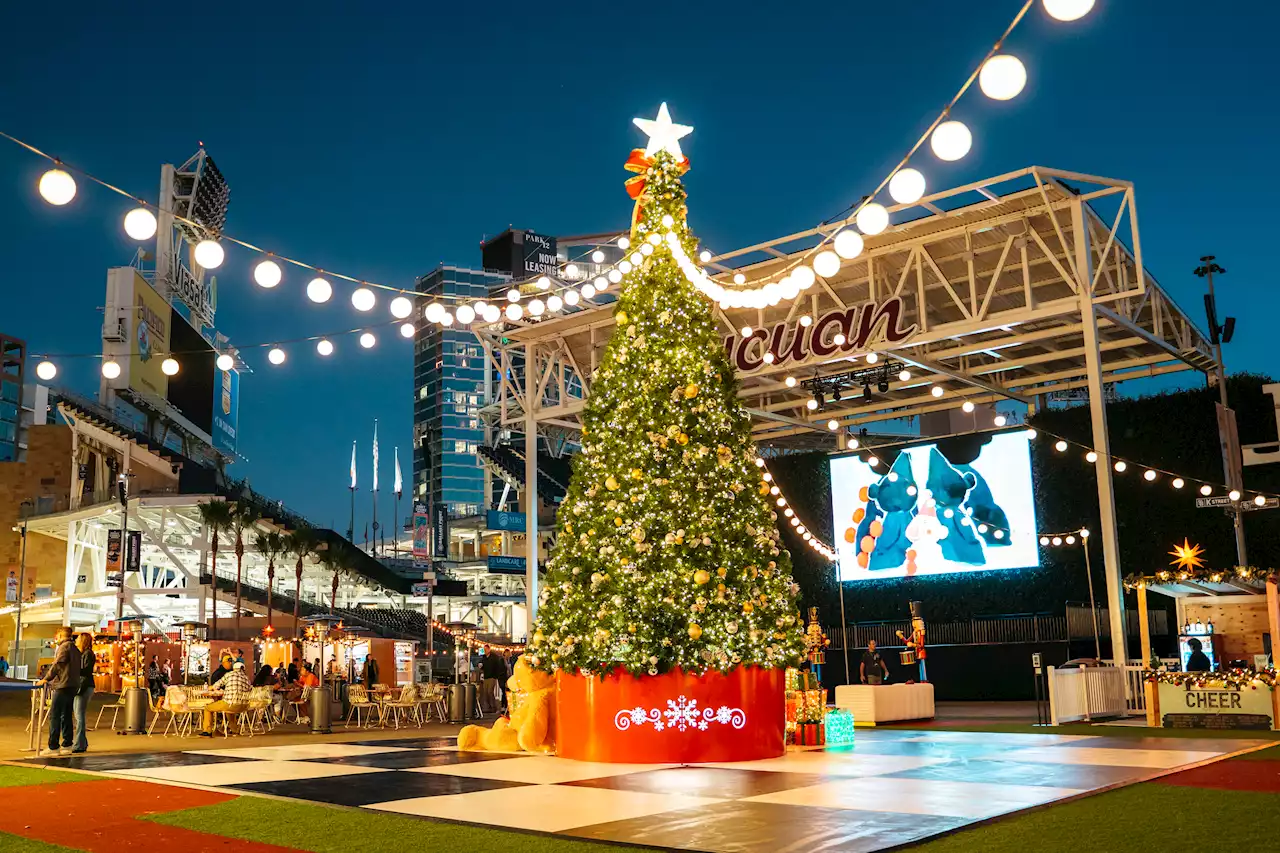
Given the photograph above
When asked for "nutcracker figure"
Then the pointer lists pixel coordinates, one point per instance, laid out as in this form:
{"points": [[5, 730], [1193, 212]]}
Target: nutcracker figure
{"points": [[815, 643], [915, 650]]}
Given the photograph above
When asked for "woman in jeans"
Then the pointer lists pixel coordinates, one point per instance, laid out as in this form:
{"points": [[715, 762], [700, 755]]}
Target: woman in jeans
{"points": [[84, 645]]}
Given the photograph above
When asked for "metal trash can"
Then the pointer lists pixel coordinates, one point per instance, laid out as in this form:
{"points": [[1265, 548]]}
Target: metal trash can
{"points": [[320, 716], [135, 711], [457, 703], [473, 693]]}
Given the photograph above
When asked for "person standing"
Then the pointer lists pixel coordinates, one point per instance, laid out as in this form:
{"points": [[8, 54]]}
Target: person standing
{"points": [[63, 678], [153, 678], [494, 670], [872, 668], [370, 674], [4, 667], [88, 660]]}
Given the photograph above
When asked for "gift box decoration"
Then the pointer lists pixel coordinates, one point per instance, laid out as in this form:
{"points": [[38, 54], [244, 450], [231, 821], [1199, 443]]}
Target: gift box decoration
{"points": [[810, 734]]}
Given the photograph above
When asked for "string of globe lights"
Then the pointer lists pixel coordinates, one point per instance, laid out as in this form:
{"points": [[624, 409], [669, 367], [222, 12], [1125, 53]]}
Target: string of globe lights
{"points": [[1000, 76], [171, 364], [819, 547]]}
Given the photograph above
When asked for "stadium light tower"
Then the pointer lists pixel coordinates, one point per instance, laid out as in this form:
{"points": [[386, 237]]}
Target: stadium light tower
{"points": [[196, 192]]}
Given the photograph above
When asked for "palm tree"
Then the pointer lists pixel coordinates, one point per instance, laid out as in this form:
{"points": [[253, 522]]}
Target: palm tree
{"points": [[300, 543], [216, 516], [270, 545], [339, 558], [244, 518]]}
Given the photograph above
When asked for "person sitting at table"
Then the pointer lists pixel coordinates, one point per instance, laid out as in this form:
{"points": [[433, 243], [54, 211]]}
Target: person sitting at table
{"points": [[224, 667], [295, 669], [308, 678], [264, 677], [234, 688]]}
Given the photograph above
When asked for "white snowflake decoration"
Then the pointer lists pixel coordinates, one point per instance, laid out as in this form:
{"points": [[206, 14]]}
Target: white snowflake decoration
{"points": [[681, 715]]}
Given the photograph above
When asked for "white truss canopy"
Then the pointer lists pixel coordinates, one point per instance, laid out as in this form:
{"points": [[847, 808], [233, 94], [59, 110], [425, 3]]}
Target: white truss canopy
{"points": [[991, 281]]}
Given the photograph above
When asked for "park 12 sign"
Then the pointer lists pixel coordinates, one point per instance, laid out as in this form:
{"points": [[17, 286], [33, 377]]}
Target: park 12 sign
{"points": [[791, 342]]}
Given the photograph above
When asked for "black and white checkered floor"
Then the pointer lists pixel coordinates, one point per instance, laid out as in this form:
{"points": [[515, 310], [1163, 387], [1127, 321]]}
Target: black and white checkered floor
{"points": [[893, 787]]}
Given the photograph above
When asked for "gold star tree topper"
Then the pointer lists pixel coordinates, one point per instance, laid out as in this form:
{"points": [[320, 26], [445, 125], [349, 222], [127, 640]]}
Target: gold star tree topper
{"points": [[1187, 556]]}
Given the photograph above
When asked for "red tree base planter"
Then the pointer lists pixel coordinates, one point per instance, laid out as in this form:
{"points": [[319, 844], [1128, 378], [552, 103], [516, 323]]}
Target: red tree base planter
{"points": [[671, 718]]}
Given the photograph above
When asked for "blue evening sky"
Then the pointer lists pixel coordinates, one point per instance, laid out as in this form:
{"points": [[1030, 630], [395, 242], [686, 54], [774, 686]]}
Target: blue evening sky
{"points": [[381, 139]]}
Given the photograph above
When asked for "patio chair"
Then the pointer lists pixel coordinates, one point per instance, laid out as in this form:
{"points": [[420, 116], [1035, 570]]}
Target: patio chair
{"points": [[361, 704], [404, 706], [256, 715], [173, 703], [432, 698], [298, 705], [115, 711]]}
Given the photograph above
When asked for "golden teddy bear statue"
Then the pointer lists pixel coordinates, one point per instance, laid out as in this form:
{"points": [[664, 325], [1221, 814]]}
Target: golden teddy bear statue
{"points": [[531, 728]]}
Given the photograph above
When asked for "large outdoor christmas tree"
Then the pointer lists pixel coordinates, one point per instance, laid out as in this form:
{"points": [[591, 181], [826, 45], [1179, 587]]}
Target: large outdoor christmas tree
{"points": [[668, 553]]}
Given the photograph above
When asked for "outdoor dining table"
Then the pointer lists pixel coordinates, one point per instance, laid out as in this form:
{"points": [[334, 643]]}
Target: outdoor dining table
{"points": [[381, 694]]}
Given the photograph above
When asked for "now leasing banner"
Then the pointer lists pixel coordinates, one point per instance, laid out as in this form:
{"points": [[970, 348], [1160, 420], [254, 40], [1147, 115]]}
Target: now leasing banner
{"points": [[1216, 708]]}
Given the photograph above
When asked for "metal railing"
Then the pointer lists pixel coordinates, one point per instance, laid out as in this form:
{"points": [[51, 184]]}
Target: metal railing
{"points": [[982, 631]]}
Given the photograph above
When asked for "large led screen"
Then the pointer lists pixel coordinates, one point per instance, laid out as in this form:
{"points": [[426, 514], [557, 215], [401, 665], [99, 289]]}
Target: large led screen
{"points": [[963, 504]]}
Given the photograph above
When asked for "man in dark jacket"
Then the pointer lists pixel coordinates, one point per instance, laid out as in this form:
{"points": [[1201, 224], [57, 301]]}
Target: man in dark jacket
{"points": [[370, 674], [63, 678], [494, 670], [84, 646]]}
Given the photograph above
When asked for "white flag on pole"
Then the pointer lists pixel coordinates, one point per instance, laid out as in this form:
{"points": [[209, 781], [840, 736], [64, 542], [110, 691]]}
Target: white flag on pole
{"points": [[375, 454], [353, 465], [399, 482]]}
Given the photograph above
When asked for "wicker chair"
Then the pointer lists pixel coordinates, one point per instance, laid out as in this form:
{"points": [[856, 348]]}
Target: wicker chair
{"points": [[298, 705], [432, 698], [361, 704], [173, 703], [405, 706], [256, 716]]}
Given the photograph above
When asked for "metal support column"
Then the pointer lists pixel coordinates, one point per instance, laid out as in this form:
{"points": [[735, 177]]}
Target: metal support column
{"points": [[1101, 440], [531, 481]]}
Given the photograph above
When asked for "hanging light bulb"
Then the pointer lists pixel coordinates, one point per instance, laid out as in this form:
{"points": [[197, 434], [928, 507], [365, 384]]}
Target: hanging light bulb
{"points": [[624, 243], [319, 290], [543, 283], [597, 257], [324, 347], [872, 358], [704, 256], [790, 382], [367, 340], [140, 224], [904, 375], [446, 320], [1091, 456], [1061, 446], [848, 244], [514, 312], [967, 407], [1120, 466], [267, 274], [615, 276], [1000, 420], [1149, 476], [554, 303], [111, 369], [812, 405], [1044, 540], [872, 219], [826, 264], [362, 299], [1178, 482], [492, 313], [46, 370], [401, 307], [1206, 490], [745, 331], [513, 295], [407, 330], [1002, 77], [937, 391], [465, 314], [1259, 500], [907, 186], [536, 307], [571, 297], [588, 290], [571, 271], [1068, 10], [833, 425], [170, 366], [806, 320], [1234, 495], [225, 362], [209, 254], [951, 140], [739, 278], [58, 188]]}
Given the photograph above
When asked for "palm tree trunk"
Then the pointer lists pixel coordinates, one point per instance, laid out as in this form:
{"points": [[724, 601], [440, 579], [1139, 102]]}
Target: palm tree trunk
{"points": [[333, 600], [239, 572], [297, 597], [271, 582], [214, 574]]}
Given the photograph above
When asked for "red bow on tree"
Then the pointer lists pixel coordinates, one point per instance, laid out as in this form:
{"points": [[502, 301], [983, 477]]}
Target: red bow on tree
{"points": [[641, 164]]}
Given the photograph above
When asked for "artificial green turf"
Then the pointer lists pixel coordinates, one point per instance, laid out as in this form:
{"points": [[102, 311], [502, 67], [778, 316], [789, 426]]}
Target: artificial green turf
{"points": [[12, 777], [1088, 730], [18, 844], [1146, 818], [324, 829]]}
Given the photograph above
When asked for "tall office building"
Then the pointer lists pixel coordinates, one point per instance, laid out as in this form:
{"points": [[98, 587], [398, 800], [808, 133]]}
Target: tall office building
{"points": [[13, 359], [448, 375]]}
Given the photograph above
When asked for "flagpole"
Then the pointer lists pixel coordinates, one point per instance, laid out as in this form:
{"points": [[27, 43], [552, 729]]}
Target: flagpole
{"points": [[395, 529], [351, 523], [374, 549]]}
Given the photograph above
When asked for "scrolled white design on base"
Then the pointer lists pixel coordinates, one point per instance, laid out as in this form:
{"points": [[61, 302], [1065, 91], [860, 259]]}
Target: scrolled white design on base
{"points": [[681, 714]]}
